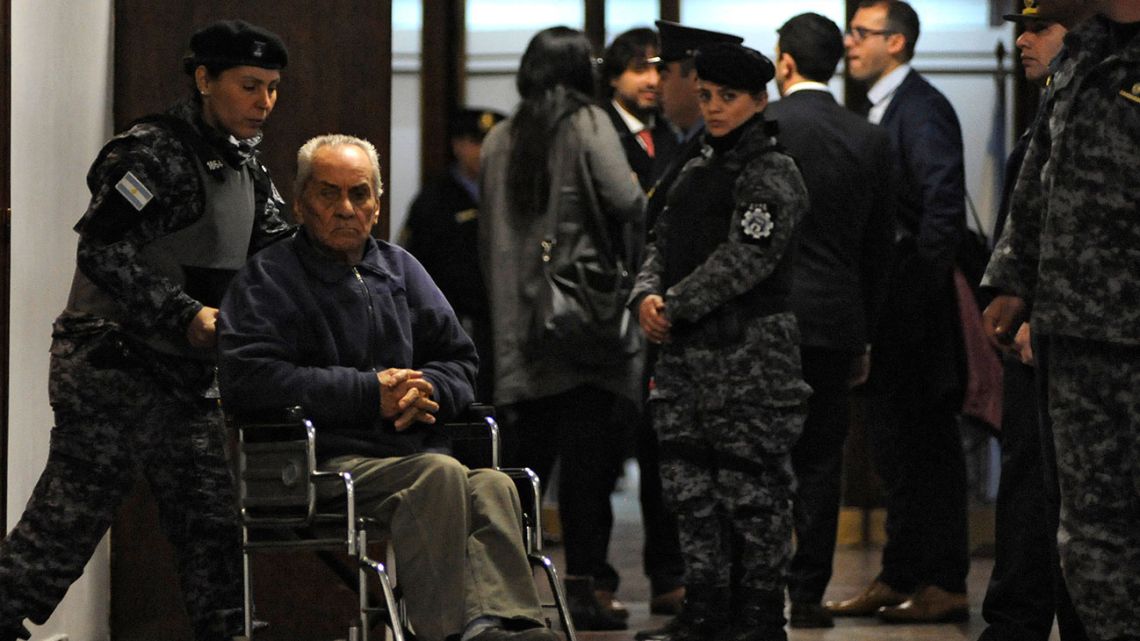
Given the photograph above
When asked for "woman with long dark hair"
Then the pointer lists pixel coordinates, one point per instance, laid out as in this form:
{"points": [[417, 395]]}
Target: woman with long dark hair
{"points": [[559, 158]]}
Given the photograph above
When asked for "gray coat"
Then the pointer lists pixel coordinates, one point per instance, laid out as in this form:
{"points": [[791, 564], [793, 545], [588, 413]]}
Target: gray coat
{"points": [[511, 254]]}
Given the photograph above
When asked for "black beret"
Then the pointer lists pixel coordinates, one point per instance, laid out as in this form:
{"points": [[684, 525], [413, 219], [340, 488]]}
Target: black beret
{"points": [[473, 123], [233, 43], [734, 66], [679, 42]]}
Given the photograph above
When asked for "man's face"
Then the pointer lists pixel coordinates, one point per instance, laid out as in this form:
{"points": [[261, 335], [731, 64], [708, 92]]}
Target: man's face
{"points": [[467, 151], [781, 71], [1039, 44], [678, 94], [635, 89], [338, 205], [871, 48]]}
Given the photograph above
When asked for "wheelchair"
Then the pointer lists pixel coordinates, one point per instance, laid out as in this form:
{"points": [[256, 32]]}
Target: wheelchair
{"points": [[279, 478]]}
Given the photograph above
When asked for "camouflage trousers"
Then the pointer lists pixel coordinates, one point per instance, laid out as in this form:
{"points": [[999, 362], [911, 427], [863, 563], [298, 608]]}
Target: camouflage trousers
{"points": [[1094, 405], [726, 437], [111, 424]]}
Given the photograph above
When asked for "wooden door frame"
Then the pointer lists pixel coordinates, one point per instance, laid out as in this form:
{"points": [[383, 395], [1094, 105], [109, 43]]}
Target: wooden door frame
{"points": [[5, 244]]}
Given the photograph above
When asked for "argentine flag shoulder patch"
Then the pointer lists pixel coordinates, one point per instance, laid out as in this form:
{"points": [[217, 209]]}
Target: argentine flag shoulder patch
{"points": [[134, 191]]}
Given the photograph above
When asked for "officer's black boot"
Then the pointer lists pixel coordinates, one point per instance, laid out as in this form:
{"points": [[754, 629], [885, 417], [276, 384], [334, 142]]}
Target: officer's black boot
{"points": [[704, 617], [13, 632], [758, 616], [585, 610]]}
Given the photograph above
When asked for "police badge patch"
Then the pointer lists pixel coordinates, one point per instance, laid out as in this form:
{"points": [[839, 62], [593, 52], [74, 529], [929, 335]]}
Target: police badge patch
{"points": [[756, 223]]}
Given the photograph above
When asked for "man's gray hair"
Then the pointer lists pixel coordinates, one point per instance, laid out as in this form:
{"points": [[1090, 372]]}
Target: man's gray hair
{"points": [[307, 150]]}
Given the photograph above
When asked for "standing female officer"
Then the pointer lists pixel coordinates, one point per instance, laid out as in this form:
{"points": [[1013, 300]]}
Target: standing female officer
{"points": [[728, 400], [178, 202]]}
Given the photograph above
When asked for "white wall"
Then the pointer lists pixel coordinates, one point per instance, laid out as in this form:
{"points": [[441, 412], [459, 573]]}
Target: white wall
{"points": [[61, 115]]}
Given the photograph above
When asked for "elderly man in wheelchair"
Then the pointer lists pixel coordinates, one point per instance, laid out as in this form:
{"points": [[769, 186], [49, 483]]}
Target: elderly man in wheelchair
{"points": [[354, 330]]}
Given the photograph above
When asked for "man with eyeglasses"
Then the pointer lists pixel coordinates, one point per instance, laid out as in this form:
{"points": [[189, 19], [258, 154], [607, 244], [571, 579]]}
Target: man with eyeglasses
{"points": [[915, 387]]}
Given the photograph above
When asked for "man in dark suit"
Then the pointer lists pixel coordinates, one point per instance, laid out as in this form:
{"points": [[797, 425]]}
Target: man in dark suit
{"points": [[845, 242], [629, 69], [916, 380]]}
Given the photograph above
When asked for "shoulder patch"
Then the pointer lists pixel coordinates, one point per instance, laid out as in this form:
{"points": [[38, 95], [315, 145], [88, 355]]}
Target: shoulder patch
{"points": [[134, 191], [756, 223]]}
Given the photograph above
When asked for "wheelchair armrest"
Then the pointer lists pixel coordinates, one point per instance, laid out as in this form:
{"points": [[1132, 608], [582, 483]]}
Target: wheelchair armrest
{"points": [[530, 496], [475, 437], [276, 463]]}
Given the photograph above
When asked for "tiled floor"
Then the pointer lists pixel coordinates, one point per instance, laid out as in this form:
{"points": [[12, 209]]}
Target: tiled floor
{"points": [[854, 568]]}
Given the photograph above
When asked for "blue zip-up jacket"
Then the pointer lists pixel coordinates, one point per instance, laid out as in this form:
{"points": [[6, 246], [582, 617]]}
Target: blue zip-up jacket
{"points": [[298, 328]]}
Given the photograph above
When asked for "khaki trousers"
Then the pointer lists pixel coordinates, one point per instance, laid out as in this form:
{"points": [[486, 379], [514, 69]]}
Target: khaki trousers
{"points": [[457, 536]]}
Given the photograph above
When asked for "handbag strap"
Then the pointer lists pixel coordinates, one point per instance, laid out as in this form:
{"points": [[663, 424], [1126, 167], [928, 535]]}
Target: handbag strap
{"points": [[599, 231]]}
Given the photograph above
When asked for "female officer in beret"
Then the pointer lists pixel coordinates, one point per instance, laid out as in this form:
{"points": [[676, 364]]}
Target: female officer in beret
{"points": [[728, 399], [178, 201]]}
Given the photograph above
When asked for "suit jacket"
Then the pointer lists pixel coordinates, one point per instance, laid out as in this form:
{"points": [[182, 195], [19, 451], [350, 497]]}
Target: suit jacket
{"points": [[920, 318], [845, 239], [674, 163], [648, 169], [932, 181]]}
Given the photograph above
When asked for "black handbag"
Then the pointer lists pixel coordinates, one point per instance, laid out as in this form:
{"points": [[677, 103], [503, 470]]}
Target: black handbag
{"points": [[579, 310]]}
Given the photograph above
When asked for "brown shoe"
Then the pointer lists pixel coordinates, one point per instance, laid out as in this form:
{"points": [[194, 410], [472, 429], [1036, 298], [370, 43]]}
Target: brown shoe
{"points": [[669, 602], [931, 604], [877, 595]]}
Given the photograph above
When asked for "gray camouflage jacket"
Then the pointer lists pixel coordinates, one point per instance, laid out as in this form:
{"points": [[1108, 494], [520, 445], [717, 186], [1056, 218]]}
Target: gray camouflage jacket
{"points": [[1071, 247], [113, 232], [769, 200]]}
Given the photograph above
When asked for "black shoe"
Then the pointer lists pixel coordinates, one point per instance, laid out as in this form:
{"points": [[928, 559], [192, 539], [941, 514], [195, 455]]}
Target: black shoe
{"points": [[811, 615], [677, 629], [540, 633], [585, 610], [15, 633]]}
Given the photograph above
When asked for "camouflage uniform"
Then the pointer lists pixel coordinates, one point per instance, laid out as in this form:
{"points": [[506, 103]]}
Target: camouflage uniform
{"points": [[1072, 251], [128, 392], [728, 398]]}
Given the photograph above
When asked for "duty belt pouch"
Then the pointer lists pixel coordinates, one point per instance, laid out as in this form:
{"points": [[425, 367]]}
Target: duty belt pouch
{"points": [[112, 350]]}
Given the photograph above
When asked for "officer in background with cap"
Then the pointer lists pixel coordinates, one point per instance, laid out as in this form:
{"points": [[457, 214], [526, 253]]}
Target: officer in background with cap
{"points": [[441, 232], [729, 399], [178, 202], [677, 86], [1026, 587]]}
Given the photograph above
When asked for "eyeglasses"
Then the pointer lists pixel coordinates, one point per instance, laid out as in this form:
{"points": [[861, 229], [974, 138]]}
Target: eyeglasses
{"points": [[858, 34]]}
